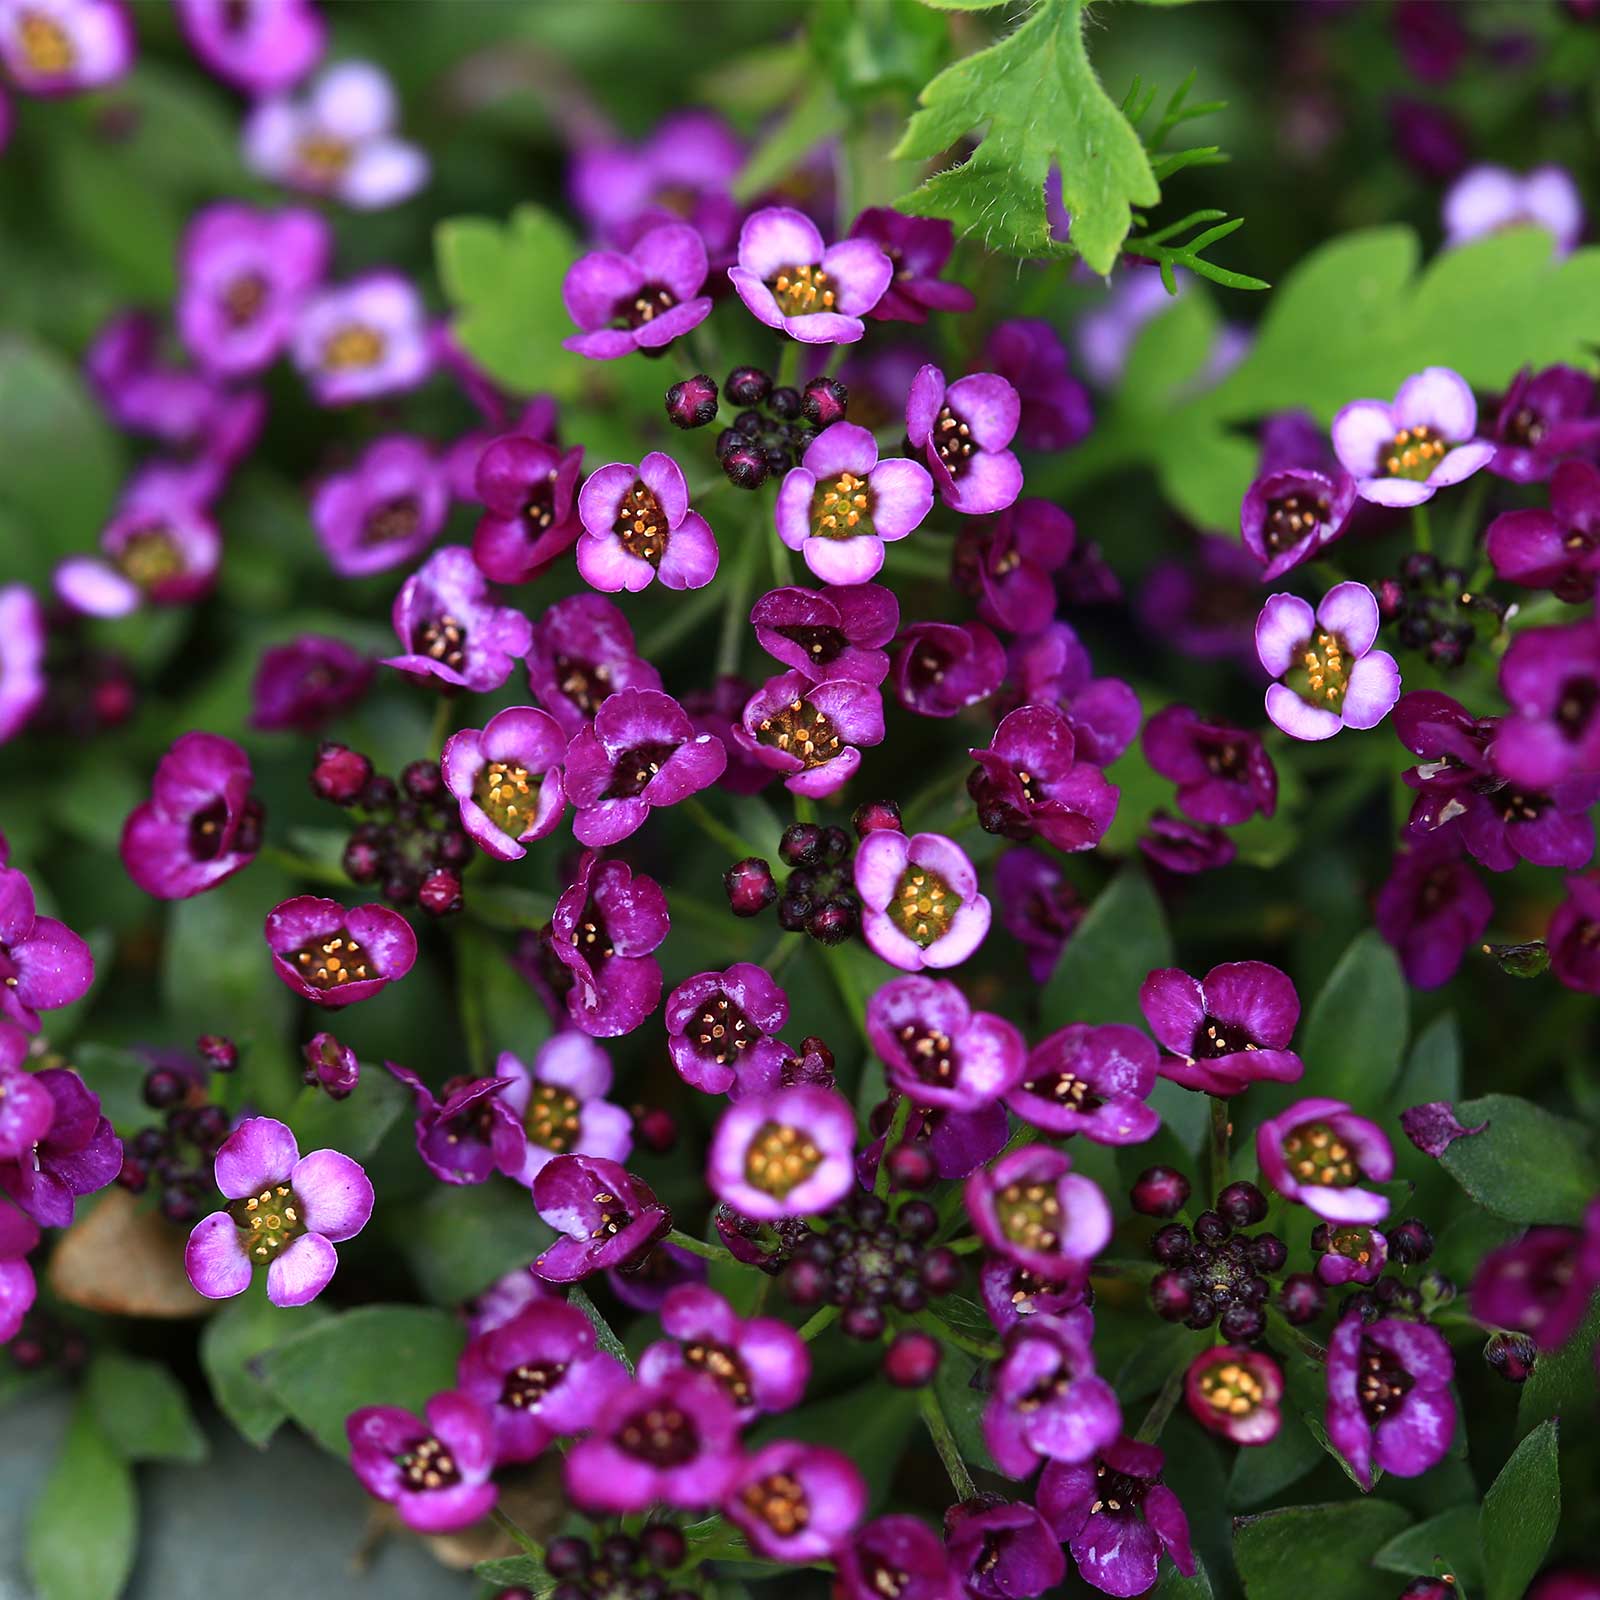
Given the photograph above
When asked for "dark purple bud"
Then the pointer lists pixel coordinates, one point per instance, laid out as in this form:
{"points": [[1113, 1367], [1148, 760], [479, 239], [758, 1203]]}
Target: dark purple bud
{"points": [[210, 1126], [1241, 1324], [745, 466], [179, 1205], [1202, 1312], [748, 386], [1511, 1356], [1160, 1192], [422, 780], [1437, 1289], [340, 774], [567, 1557], [657, 1129], [619, 1552], [663, 1546], [806, 1281], [381, 793], [400, 889], [1410, 1242], [750, 886], [693, 402], [784, 403], [1391, 597], [1268, 1252], [1172, 1244], [1253, 1291], [1419, 569], [832, 923], [910, 1167], [1241, 1205], [793, 912], [1301, 1298], [363, 861], [863, 1322], [1209, 1228], [163, 1088], [867, 1209], [1171, 1297], [148, 1143], [728, 439], [750, 424], [911, 1360], [218, 1051], [876, 816], [1364, 1304], [439, 894], [824, 402], [835, 845], [135, 1174], [917, 1221], [940, 1271], [801, 845], [454, 848]]}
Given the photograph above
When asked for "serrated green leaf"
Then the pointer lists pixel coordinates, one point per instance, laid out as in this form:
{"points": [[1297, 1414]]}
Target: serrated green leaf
{"points": [[1445, 1543], [1520, 1513], [142, 1410], [1526, 1166], [1121, 940], [1322, 1550], [83, 1527], [1356, 1032], [231, 1345]]}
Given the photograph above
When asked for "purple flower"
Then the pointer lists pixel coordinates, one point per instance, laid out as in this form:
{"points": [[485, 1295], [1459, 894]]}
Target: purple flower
{"points": [[1011, 1294], [1433, 41], [1486, 200], [338, 141], [1047, 1402], [638, 527], [1234, 1392], [839, 506], [1389, 1396], [1031, 1208], [528, 490], [675, 1441], [1551, 680], [583, 651], [1223, 774], [201, 823], [899, 1556], [834, 632], [918, 249], [244, 275], [75, 1153], [965, 430], [1432, 909], [18, 1236], [509, 1294], [788, 1153], [1401, 452], [261, 47], [43, 963], [920, 901], [790, 280], [811, 732], [1290, 515], [941, 668], [159, 548], [1028, 783], [1329, 676], [714, 1018], [959, 1141], [1003, 1550], [334, 957], [363, 340], [385, 511], [1205, 603], [60, 47], [641, 300], [938, 1050], [331, 1066], [285, 1213], [561, 1103], [435, 1472], [470, 1133], [303, 685], [1117, 1517], [1430, 139], [1030, 356], [1574, 935], [1007, 561], [796, 1502], [539, 1377], [450, 629], [1038, 906], [1090, 1080], [26, 1106], [1544, 417], [1556, 549], [1184, 847], [1433, 1127], [1542, 1283], [22, 642], [1053, 668], [506, 778], [143, 393], [608, 1216], [1226, 1031], [1319, 1152], [1349, 1255]]}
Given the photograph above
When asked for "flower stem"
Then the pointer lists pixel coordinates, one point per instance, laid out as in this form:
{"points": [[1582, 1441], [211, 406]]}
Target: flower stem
{"points": [[304, 867], [1421, 527], [1161, 1408], [1283, 1333], [715, 829], [735, 615], [930, 1322], [441, 726], [1220, 1129], [788, 364], [782, 573], [944, 1441], [824, 1318], [698, 1247], [525, 1541], [605, 1335], [897, 1128], [805, 809]]}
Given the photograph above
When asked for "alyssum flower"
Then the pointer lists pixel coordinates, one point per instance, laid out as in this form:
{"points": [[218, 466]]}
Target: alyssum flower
{"points": [[450, 628], [938, 1050], [506, 777], [385, 511], [1033, 1209], [1029, 783], [334, 957], [76, 1152], [560, 1101], [435, 1470], [1402, 452], [608, 1216], [1319, 1152], [43, 963], [717, 1021], [1389, 1397], [638, 527], [834, 632], [809, 731], [259, 46], [641, 299], [528, 488], [965, 429], [920, 901], [786, 1153], [790, 280], [1226, 1031], [1090, 1080], [1329, 676], [1047, 1401]]}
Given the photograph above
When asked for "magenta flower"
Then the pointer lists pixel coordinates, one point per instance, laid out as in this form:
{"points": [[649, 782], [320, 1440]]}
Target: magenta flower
{"points": [[506, 778], [22, 644], [1542, 1283], [1233, 1392], [285, 1213], [76, 1153], [1401, 452], [1556, 549], [450, 629], [785, 1154], [796, 1502], [608, 1216], [834, 632], [1117, 1517], [920, 901], [1291, 514], [896, 1555], [938, 1050], [363, 340], [1003, 1550], [1551, 680], [918, 249], [1349, 1255], [201, 823], [301, 686], [790, 280], [714, 1018], [1052, 667], [811, 732], [1319, 1153], [160, 548], [1184, 847], [643, 1284], [334, 957], [1224, 774], [959, 1141], [582, 652], [140, 389], [1485, 200], [1028, 783], [435, 1471], [1329, 676], [1574, 935], [1544, 417], [1047, 1402], [1029, 355], [965, 430], [561, 1104], [26, 1106], [941, 668], [1090, 1080], [528, 488], [470, 1133], [508, 1295], [1389, 1396], [260, 47], [1227, 1030], [385, 511], [1038, 906], [332, 1066], [18, 1236], [638, 527], [1031, 1208], [840, 505], [1204, 604], [43, 963], [639, 300], [1432, 908], [61, 47], [1008, 562]]}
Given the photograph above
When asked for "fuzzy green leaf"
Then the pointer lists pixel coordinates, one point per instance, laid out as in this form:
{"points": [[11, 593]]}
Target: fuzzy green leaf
{"points": [[1526, 1166], [1323, 1550], [83, 1527], [231, 1346], [142, 1410], [1116, 946], [1356, 1033], [1563, 1381], [1520, 1513], [1445, 1543]]}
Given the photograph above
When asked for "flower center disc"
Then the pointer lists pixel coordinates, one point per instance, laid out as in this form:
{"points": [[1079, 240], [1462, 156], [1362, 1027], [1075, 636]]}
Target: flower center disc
{"points": [[527, 1386], [351, 347], [553, 1118], [662, 1435], [45, 44], [641, 525], [1232, 1389], [428, 1464], [721, 1030], [508, 795], [1322, 672], [270, 1220], [780, 1501], [800, 291], [634, 311], [952, 441], [841, 509], [150, 557], [932, 1053], [1290, 519], [392, 520], [802, 731], [1030, 1215], [445, 640], [1413, 453], [923, 905], [780, 1159], [1316, 1154], [328, 963]]}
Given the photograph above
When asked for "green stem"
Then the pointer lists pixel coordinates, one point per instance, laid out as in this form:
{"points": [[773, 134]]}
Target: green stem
{"points": [[986, 1350], [1283, 1333], [525, 1541], [681, 621], [825, 1318], [944, 1441], [897, 1129], [698, 1247], [1464, 530], [1220, 1129], [605, 1335], [805, 808], [304, 867], [1421, 527], [1156, 1417], [965, 1247], [736, 613], [440, 730], [782, 571], [781, 954], [715, 829], [788, 364], [844, 980], [1137, 1271]]}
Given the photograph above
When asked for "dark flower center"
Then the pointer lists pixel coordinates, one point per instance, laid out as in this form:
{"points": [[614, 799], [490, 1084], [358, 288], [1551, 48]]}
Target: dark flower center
{"points": [[150, 556], [1065, 1088], [428, 1464], [803, 731], [821, 643], [353, 346], [329, 962], [584, 683], [1214, 1038], [1029, 1214], [527, 1386], [802, 290], [952, 441], [1291, 518], [591, 937], [780, 1501], [474, 1122], [445, 639], [636, 767], [508, 795], [635, 310], [1117, 1492], [1322, 673], [924, 905], [1225, 757], [206, 830], [392, 520], [1515, 806], [721, 1030], [45, 43], [641, 525], [1413, 453], [1381, 1384], [1316, 1154], [719, 1362], [270, 1220], [663, 1435], [932, 1053], [1576, 706], [841, 507], [1438, 888], [1232, 1389], [1354, 1244], [553, 1118], [243, 299], [780, 1158], [1525, 427]]}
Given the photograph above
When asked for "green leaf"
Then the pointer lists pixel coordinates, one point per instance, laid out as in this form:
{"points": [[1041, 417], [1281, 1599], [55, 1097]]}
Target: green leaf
{"points": [[1040, 104], [1520, 1513], [515, 1571], [1172, 1585], [1264, 1471], [83, 1527], [1526, 1166], [500, 1010], [963, 1405], [1322, 1550], [1563, 1381], [142, 1409], [1433, 1069], [1117, 945], [1356, 1033], [872, 1424], [459, 1239], [355, 1125], [1447, 1543], [604, 1336], [374, 1356], [817, 116], [117, 1076], [231, 1345]]}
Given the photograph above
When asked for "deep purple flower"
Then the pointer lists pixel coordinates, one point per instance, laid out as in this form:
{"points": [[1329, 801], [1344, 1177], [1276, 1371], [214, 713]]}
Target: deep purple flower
{"points": [[1008, 562], [539, 1377], [201, 823], [286, 1212], [140, 389], [920, 901], [1329, 676], [1052, 667], [26, 1106], [965, 430], [638, 527], [1185, 847], [560, 1102], [1011, 1294], [332, 1066], [1486, 200], [941, 668], [506, 778], [1223, 773], [1319, 1152], [43, 963], [719, 711], [435, 1472], [244, 275], [1551, 680], [582, 652], [918, 249], [60, 47], [959, 1141], [1544, 417], [1291, 515], [1349, 1254], [839, 506], [938, 1050], [1401, 452], [796, 1502], [1204, 603], [1433, 40], [900, 1556], [834, 632], [1090, 1080], [338, 141], [1432, 908], [528, 488], [608, 1216], [1046, 1401], [1542, 1283], [788, 1153], [76, 1153], [1430, 139], [385, 511], [302, 685], [714, 1018], [22, 643], [790, 280], [1117, 1517], [1226, 1031], [466, 1132], [1003, 1550], [18, 1236], [334, 957], [1574, 935], [363, 340], [160, 548], [450, 629], [1030, 356], [1029, 783], [259, 46], [1038, 906], [1234, 1392], [1389, 1396], [771, 1064], [1558, 548], [641, 300], [504, 1299], [1433, 1127], [811, 732], [1030, 1207]]}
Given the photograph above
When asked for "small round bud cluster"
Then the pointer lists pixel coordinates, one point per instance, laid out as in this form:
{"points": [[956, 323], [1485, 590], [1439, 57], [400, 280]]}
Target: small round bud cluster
{"points": [[693, 402], [775, 425], [1212, 1273], [819, 896], [1431, 610], [621, 1566], [876, 816], [1511, 1356], [176, 1156]]}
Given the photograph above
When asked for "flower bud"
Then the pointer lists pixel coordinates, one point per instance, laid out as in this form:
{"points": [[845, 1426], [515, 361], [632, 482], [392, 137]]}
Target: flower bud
{"points": [[1171, 1244], [422, 780], [218, 1051], [1160, 1192], [824, 402], [331, 1065], [748, 386], [663, 1546], [863, 1322], [363, 861], [910, 1167], [801, 845], [340, 774], [163, 1088], [940, 1271], [1268, 1252], [911, 1360], [1171, 1298], [750, 886], [784, 403], [1301, 1298], [1209, 1228], [693, 402], [745, 466], [1410, 1242], [1240, 1324], [1241, 1205], [876, 816], [1511, 1356], [439, 893], [657, 1129], [832, 923]]}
